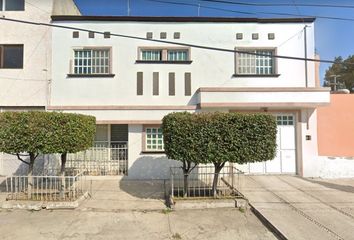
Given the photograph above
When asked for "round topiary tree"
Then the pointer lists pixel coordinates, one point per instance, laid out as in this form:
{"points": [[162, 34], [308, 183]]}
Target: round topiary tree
{"points": [[180, 141], [70, 133]]}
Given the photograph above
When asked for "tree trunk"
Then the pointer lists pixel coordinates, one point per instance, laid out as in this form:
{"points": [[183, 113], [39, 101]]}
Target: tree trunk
{"points": [[30, 173], [62, 174], [218, 168], [186, 185]]}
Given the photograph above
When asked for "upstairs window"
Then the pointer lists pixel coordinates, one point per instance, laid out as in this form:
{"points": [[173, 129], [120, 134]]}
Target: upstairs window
{"points": [[11, 56], [92, 61], [164, 55], [177, 55], [12, 5], [249, 64], [151, 55]]}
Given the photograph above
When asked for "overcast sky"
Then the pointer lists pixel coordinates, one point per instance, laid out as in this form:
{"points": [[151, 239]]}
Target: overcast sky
{"points": [[333, 37]]}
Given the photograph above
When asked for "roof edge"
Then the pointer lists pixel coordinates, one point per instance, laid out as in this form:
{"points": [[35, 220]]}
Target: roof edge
{"points": [[181, 19]]}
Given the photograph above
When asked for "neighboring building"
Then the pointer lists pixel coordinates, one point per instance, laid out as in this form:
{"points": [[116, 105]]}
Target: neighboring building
{"points": [[130, 84], [25, 58], [336, 137]]}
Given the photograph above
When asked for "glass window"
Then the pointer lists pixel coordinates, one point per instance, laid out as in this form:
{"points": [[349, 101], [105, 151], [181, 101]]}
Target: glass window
{"points": [[285, 120], [92, 61], [154, 139], [262, 64], [13, 5], [177, 55], [151, 55], [11, 56]]}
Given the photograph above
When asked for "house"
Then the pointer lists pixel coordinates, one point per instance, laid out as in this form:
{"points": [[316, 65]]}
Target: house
{"points": [[129, 72], [25, 58]]}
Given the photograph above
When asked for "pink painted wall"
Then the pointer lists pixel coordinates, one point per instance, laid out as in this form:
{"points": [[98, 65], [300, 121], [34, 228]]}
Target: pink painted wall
{"points": [[336, 127]]}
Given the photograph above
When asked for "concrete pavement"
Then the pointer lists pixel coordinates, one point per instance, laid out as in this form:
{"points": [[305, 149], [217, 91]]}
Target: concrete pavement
{"points": [[304, 208]]}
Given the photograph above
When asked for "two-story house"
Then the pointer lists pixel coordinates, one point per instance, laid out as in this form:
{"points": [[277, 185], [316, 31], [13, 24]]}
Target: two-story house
{"points": [[114, 69], [26, 59]]}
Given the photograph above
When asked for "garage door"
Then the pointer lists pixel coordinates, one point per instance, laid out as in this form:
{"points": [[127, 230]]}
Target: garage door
{"points": [[285, 160]]}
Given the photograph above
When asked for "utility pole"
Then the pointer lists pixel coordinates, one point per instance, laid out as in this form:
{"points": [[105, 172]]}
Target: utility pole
{"points": [[334, 84], [305, 53], [198, 9]]}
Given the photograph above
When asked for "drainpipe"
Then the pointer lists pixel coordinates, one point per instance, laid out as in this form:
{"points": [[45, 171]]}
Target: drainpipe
{"points": [[305, 45]]}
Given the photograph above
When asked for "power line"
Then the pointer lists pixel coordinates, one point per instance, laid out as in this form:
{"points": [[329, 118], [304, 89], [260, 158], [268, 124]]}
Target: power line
{"points": [[200, 6], [168, 42], [254, 12], [281, 4]]}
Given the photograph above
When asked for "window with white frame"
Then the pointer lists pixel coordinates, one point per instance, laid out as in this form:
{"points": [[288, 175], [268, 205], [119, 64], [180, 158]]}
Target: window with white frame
{"points": [[164, 54], [154, 139], [12, 5], [261, 62], [92, 61]]}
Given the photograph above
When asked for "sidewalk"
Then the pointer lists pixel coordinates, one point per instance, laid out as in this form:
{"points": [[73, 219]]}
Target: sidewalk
{"points": [[118, 194], [304, 208]]}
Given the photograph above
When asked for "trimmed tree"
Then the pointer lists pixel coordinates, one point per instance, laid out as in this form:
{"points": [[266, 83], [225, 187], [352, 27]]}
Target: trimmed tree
{"points": [[180, 141], [28, 134], [70, 133], [24, 134], [219, 138]]}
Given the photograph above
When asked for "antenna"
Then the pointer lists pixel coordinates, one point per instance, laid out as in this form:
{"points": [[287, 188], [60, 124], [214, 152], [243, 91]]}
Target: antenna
{"points": [[128, 7]]}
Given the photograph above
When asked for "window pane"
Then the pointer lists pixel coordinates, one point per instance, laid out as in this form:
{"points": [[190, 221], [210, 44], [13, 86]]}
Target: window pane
{"points": [[15, 5], [13, 56], [255, 64], [1, 5], [151, 55], [154, 139]]}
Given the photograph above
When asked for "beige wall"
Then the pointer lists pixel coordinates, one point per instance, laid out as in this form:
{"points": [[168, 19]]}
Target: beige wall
{"points": [[336, 127]]}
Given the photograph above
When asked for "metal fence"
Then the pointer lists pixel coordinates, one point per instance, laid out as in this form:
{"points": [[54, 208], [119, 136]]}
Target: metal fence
{"points": [[200, 182], [46, 188], [101, 160]]}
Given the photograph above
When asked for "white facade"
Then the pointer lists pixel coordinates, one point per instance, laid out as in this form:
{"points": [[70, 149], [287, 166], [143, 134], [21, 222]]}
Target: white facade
{"points": [[215, 84]]}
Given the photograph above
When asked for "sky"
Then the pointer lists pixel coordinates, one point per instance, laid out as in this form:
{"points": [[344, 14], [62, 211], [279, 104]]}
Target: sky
{"points": [[333, 37]]}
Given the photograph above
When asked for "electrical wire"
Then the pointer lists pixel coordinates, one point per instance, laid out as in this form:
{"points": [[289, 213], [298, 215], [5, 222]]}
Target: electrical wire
{"points": [[254, 12], [167, 42], [281, 4]]}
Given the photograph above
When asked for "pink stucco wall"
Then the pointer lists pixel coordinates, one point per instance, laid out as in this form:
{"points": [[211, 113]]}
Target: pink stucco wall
{"points": [[336, 127]]}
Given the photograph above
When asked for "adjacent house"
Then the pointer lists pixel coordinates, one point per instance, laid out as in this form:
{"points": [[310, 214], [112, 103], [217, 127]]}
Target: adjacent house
{"points": [[129, 72], [26, 58]]}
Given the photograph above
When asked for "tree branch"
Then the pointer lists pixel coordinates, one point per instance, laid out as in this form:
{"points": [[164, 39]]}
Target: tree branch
{"points": [[19, 158]]}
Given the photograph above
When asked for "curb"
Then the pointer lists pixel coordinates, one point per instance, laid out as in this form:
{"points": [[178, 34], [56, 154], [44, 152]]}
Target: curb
{"points": [[268, 224]]}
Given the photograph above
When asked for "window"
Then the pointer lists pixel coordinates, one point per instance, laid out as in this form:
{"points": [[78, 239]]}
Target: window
{"points": [[248, 64], [11, 56], [154, 139], [285, 120], [177, 55], [174, 55], [92, 61], [151, 55], [12, 5]]}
